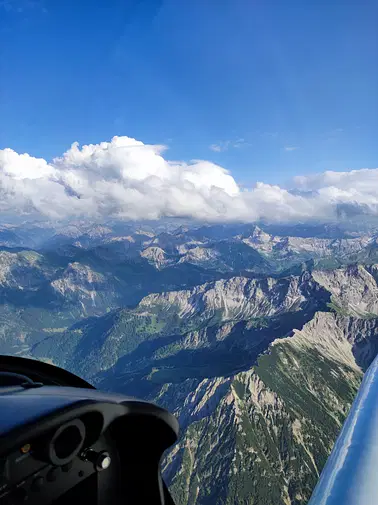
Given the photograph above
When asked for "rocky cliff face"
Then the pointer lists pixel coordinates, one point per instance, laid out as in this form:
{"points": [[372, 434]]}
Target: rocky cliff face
{"points": [[354, 289], [263, 435], [92, 291], [237, 298], [156, 256]]}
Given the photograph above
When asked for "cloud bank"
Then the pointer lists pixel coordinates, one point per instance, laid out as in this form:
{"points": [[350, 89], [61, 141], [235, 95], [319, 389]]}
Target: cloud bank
{"points": [[127, 179]]}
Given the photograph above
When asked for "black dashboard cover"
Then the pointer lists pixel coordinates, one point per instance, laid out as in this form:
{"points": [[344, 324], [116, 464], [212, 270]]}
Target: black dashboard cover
{"points": [[40, 371], [139, 431]]}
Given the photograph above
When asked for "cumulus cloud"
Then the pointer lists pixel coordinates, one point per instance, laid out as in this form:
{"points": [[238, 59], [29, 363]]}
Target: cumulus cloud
{"points": [[127, 179]]}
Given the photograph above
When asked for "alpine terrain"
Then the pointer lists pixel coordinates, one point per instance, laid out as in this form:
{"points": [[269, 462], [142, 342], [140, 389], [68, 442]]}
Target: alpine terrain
{"points": [[256, 337]]}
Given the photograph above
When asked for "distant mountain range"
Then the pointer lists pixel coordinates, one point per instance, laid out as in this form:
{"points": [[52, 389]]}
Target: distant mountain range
{"points": [[256, 339]]}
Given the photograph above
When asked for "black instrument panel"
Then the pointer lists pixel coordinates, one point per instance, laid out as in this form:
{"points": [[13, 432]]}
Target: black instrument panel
{"points": [[27, 474], [61, 445]]}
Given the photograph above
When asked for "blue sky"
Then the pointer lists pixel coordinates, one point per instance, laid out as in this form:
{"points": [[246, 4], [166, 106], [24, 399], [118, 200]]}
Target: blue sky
{"points": [[268, 90]]}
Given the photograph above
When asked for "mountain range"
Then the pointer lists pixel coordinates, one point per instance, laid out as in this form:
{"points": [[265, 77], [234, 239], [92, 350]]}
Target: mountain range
{"points": [[256, 337]]}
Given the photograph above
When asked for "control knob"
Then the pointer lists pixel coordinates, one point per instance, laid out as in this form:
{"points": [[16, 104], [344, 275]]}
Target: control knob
{"points": [[101, 460]]}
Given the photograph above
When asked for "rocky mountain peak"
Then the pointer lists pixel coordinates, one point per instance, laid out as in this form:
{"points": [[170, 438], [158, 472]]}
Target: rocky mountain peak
{"points": [[155, 255], [78, 279]]}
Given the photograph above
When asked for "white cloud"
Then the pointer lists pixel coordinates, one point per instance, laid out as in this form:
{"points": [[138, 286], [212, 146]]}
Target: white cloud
{"points": [[217, 148], [127, 179], [227, 144], [290, 148]]}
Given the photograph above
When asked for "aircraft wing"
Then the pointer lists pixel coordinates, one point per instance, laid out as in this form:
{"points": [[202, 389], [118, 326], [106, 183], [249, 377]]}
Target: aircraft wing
{"points": [[350, 476]]}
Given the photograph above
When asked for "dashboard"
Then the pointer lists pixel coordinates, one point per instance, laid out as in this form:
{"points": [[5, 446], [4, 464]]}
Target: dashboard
{"points": [[70, 458], [63, 445]]}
